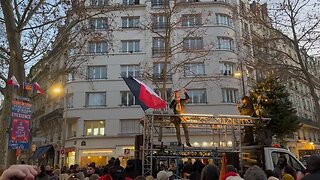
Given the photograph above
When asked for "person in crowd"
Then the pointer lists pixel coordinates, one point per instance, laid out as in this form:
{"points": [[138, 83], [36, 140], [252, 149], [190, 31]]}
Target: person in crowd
{"points": [[94, 177], [22, 171], [255, 173], [140, 178], [271, 175], [149, 177], [91, 170], [179, 107], [116, 171], [42, 174], [231, 173], [71, 168], [130, 171], [64, 173], [108, 166], [196, 170], [77, 172], [210, 172], [187, 169], [289, 173], [282, 162], [173, 167], [105, 177], [51, 174], [198, 166], [313, 167], [163, 174]]}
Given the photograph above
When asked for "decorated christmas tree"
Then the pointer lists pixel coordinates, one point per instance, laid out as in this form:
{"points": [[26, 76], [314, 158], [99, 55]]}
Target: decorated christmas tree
{"points": [[271, 99]]}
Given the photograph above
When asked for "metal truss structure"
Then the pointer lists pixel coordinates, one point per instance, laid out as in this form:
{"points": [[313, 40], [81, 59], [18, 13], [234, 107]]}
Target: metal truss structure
{"points": [[221, 124]]}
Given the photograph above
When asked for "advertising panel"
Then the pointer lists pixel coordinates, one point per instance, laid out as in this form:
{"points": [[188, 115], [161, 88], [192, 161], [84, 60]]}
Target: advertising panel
{"points": [[21, 111]]}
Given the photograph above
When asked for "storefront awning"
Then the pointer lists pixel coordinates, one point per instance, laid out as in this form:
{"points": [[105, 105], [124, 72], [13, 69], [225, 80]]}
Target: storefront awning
{"points": [[40, 151]]}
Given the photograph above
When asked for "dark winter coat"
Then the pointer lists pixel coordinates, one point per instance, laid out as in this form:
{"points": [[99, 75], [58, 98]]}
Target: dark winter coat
{"points": [[183, 103], [313, 176]]}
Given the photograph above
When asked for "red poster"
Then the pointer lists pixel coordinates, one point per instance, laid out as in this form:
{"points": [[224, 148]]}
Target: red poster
{"points": [[20, 130]]}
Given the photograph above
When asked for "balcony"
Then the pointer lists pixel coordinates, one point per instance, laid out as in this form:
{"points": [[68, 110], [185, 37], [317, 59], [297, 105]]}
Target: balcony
{"points": [[55, 114]]}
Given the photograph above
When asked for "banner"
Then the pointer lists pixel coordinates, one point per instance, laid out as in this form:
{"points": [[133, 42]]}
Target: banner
{"points": [[21, 111]]}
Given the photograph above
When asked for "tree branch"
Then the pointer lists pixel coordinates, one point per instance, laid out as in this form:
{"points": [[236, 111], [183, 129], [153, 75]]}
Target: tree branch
{"points": [[28, 13], [16, 8]]}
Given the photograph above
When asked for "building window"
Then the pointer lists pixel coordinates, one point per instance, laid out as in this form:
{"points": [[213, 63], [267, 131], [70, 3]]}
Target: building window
{"points": [[193, 43], [243, 8], [158, 45], [245, 28], [128, 99], [98, 23], [97, 72], [229, 95], [98, 2], [98, 47], [130, 2], [158, 71], [159, 3], [94, 128], [130, 46], [159, 21], [197, 96], [70, 100], [190, 20], [72, 130], [193, 69], [130, 70], [70, 77], [225, 43], [129, 126], [95, 99], [190, 1], [167, 94], [223, 19], [130, 22], [227, 68]]}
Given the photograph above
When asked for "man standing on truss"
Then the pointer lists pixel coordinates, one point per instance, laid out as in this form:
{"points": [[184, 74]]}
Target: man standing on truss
{"points": [[178, 107]]}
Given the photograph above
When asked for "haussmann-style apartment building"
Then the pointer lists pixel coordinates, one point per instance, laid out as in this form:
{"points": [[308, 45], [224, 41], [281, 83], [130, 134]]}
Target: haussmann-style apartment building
{"points": [[103, 117]]}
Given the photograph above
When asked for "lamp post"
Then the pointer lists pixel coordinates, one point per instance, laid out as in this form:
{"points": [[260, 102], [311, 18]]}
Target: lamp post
{"points": [[58, 90]]}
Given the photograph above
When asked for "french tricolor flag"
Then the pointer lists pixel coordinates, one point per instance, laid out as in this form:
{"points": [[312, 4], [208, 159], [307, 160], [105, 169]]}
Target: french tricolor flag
{"points": [[146, 96], [13, 82]]}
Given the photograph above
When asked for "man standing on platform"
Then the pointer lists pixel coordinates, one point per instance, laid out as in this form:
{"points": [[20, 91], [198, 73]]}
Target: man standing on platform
{"points": [[178, 107]]}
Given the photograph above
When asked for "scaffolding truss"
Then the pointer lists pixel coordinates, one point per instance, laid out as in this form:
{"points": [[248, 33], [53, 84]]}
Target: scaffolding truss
{"points": [[222, 124]]}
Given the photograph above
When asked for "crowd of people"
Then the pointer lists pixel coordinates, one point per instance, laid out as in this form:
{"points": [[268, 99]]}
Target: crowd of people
{"points": [[193, 171]]}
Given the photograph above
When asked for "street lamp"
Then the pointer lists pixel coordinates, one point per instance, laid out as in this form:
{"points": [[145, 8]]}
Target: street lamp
{"points": [[58, 90]]}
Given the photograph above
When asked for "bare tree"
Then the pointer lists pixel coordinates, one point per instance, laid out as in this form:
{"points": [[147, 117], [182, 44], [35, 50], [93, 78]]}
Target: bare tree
{"points": [[283, 38], [177, 34], [34, 30]]}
